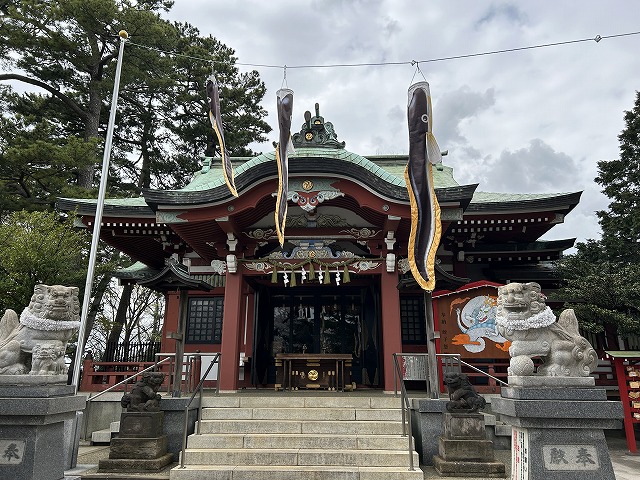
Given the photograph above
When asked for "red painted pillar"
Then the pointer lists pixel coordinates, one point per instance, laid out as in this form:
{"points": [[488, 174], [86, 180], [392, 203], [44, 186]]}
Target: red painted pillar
{"points": [[391, 328], [172, 301], [232, 322]]}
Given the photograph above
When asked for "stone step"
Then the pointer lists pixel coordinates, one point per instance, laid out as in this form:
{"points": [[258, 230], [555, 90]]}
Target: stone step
{"points": [[303, 435], [347, 427], [309, 413], [100, 437], [286, 400], [268, 472], [503, 430], [489, 419], [335, 442], [163, 474], [300, 457]]}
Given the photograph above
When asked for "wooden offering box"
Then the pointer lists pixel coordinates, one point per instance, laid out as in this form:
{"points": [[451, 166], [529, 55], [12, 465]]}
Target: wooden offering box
{"points": [[313, 371]]}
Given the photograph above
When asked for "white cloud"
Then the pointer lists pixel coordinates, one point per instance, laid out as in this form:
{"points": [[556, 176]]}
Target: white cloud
{"points": [[533, 169], [535, 120]]}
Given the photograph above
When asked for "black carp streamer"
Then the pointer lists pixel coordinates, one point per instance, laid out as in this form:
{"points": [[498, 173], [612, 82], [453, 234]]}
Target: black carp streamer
{"points": [[426, 228], [285, 110]]}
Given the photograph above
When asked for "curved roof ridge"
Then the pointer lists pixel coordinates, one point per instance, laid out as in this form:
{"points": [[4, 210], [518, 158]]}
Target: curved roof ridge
{"points": [[213, 177], [354, 158], [494, 197]]}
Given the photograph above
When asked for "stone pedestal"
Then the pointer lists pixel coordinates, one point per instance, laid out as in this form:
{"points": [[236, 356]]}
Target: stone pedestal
{"points": [[173, 409], [426, 419], [141, 445], [558, 427], [463, 449], [32, 425]]}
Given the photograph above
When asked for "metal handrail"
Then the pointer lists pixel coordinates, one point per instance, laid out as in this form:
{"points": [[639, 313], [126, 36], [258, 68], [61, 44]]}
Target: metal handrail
{"points": [[483, 372], [186, 366], [128, 379], [404, 405], [430, 382], [448, 358], [198, 389]]}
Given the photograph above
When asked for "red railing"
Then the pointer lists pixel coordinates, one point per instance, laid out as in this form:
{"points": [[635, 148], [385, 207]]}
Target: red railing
{"points": [[482, 382], [99, 376]]}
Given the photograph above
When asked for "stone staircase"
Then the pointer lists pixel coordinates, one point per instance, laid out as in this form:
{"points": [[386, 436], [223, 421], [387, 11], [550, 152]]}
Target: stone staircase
{"points": [[292, 436]]}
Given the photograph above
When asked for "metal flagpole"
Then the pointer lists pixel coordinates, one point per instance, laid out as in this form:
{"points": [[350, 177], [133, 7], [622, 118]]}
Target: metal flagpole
{"points": [[98, 218]]}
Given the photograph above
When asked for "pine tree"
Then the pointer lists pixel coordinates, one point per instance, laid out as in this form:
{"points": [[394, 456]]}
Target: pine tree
{"points": [[68, 50], [602, 280], [620, 179]]}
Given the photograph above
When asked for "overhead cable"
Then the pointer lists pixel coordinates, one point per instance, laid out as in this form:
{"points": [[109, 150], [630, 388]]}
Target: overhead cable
{"points": [[596, 39]]}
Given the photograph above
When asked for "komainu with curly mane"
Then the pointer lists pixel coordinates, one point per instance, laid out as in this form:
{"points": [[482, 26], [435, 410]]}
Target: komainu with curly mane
{"points": [[463, 398], [524, 318], [35, 342], [144, 395]]}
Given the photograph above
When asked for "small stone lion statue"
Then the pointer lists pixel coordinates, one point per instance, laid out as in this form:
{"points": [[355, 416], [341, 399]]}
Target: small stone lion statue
{"points": [[144, 396], [35, 342], [48, 359], [523, 318], [463, 398]]}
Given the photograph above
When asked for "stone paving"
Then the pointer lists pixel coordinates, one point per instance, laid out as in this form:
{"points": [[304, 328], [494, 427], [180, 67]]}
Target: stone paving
{"points": [[625, 465]]}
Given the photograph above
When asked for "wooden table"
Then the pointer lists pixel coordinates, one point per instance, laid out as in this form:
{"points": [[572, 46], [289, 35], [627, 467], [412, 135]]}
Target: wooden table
{"points": [[331, 371]]}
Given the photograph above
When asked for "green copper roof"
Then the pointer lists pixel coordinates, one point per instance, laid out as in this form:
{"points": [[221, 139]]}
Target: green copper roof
{"points": [[211, 176], [128, 202], [487, 197], [137, 270], [623, 353], [388, 168], [442, 175]]}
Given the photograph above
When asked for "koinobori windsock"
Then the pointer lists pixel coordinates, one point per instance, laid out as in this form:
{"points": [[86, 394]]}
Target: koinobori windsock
{"points": [[424, 152], [216, 122], [285, 109]]}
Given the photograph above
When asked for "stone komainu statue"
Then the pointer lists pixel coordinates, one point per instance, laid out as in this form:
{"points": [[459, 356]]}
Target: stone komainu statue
{"points": [[144, 395], [523, 318], [35, 342], [463, 398]]}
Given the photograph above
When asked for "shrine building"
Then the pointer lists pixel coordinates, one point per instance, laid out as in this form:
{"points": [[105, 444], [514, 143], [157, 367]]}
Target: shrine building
{"points": [[340, 288]]}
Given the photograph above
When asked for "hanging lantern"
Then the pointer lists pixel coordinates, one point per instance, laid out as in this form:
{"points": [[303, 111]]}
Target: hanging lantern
{"points": [[327, 277], [312, 272], [293, 279], [345, 277], [274, 275]]}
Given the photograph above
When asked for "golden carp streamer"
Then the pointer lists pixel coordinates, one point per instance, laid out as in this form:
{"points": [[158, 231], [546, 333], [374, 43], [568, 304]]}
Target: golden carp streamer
{"points": [[285, 109], [216, 123], [426, 227]]}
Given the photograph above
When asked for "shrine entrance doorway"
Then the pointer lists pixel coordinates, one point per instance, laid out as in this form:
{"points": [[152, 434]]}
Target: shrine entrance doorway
{"points": [[319, 320]]}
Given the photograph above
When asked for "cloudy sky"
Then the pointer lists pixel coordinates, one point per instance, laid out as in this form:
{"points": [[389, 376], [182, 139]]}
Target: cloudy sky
{"points": [[530, 121]]}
